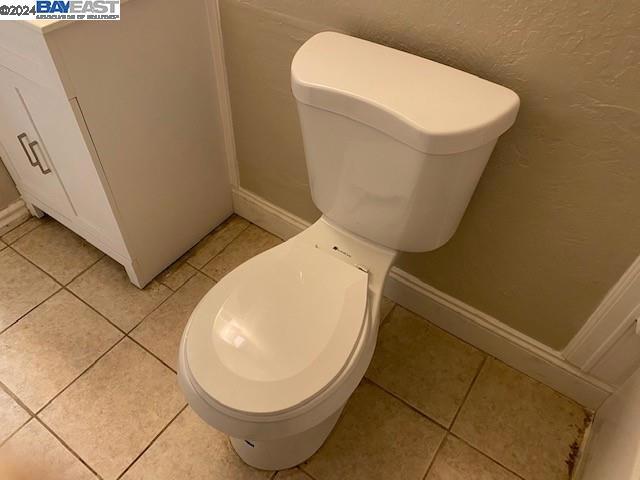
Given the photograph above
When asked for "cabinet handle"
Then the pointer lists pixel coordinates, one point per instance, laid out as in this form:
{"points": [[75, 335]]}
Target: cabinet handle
{"points": [[21, 137], [38, 163]]}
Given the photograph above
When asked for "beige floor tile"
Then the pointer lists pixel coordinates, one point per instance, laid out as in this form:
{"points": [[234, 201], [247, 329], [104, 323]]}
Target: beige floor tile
{"points": [[519, 422], [177, 274], [425, 366], [191, 449], [22, 287], [34, 453], [58, 251], [12, 416], [160, 332], [292, 474], [53, 344], [213, 243], [248, 244], [2, 245], [106, 287], [378, 437], [24, 228], [458, 461], [114, 410]]}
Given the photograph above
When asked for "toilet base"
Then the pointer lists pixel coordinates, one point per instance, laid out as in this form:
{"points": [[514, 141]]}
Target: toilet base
{"points": [[287, 452]]}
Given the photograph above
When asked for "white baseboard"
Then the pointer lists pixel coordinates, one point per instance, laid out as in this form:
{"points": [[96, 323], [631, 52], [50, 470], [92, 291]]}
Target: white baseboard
{"points": [[465, 322], [266, 215], [13, 215]]}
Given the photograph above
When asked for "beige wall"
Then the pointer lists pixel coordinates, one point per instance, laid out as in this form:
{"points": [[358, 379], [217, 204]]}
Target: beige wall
{"points": [[556, 217], [8, 192]]}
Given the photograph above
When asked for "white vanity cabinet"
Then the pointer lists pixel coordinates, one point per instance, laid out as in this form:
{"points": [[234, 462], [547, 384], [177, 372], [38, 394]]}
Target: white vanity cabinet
{"points": [[30, 157], [114, 129]]}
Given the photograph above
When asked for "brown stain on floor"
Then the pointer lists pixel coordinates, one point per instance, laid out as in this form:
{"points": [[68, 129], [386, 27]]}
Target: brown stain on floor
{"points": [[574, 448]]}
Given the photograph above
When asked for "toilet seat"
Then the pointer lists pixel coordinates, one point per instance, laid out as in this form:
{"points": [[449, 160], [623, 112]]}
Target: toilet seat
{"points": [[277, 331]]}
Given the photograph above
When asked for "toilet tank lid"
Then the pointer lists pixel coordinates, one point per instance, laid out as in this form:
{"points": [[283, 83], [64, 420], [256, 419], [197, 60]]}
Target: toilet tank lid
{"points": [[431, 107]]}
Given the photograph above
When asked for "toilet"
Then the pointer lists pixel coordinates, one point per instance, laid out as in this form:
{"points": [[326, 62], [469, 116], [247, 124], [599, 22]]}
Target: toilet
{"points": [[395, 145]]}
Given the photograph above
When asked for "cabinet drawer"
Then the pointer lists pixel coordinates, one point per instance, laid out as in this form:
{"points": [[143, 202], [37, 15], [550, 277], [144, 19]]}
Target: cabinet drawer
{"points": [[25, 151]]}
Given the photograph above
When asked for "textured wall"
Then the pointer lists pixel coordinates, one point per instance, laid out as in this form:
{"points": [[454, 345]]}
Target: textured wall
{"points": [[8, 192], [556, 217]]}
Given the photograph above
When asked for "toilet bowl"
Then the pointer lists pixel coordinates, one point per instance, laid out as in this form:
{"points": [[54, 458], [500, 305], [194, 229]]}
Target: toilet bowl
{"points": [[272, 353], [394, 145]]}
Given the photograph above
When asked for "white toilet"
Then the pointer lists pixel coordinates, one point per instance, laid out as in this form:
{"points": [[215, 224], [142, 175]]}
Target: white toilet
{"points": [[395, 145]]}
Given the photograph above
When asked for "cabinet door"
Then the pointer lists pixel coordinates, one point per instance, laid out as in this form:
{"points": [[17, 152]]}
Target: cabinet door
{"points": [[27, 152]]}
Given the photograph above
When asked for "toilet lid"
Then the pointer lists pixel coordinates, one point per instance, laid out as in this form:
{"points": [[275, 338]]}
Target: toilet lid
{"points": [[277, 330]]}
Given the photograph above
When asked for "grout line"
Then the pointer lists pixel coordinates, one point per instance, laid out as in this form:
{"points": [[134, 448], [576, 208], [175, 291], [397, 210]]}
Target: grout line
{"points": [[201, 269], [407, 404], [60, 285], [28, 311], [300, 467], [6, 440], [124, 333], [151, 353], [15, 397], [51, 400], [186, 256], [39, 420], [153, 441], [37, 266], [26, 233], [435, 456], [15, 226], [223, 248], [486, 456], [206, 274], [94, 310], [86, 269], [117, 327], [63, 285], [178, 265], [127, 332], [466, 396]]}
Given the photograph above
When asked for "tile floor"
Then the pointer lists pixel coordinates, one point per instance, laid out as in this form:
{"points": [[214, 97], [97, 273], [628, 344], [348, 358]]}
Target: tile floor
{"points": [[88, 390]]}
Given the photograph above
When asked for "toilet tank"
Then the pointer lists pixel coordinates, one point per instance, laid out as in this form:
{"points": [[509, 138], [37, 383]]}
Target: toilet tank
{"points": [[395, 144]]}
